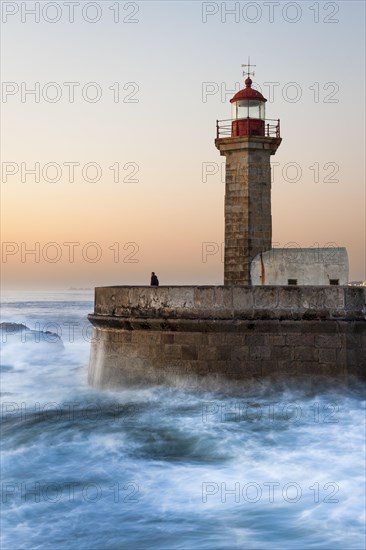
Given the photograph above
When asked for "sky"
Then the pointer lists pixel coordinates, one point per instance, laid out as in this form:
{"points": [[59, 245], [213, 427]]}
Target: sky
{"points": [[109, 167]]}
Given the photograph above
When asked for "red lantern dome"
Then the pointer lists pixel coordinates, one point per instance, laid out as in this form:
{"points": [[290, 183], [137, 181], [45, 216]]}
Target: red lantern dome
{"points": [[248, 111]]}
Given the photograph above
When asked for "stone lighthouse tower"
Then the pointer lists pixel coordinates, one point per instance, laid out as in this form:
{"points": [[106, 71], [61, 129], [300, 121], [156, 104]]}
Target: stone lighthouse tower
{"points": [[247, 141]]}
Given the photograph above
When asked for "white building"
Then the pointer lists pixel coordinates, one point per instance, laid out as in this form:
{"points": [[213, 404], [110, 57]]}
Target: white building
{"points": [[300, 266]]}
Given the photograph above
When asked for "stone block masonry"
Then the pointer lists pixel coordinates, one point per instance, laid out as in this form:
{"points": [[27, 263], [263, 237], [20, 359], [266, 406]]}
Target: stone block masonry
{"points": [[147, 335], [248, 218]]}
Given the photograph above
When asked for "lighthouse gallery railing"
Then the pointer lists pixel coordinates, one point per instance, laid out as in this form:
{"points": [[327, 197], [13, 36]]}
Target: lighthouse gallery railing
{"points": [[271, 127]]}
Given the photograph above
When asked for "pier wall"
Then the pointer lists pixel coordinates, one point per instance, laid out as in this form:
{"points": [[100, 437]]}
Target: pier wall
{"points": [[147, 335]]}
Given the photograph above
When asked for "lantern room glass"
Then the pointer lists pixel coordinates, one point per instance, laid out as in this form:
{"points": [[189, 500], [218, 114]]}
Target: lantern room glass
{"points": [[248, 109]]}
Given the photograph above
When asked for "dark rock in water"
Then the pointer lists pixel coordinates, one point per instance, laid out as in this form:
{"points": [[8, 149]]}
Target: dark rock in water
{"points": [[25, 334], [13, 328]]}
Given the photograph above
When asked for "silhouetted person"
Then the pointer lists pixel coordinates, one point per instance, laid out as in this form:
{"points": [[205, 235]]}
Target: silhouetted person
{"points": [[154, 280]]}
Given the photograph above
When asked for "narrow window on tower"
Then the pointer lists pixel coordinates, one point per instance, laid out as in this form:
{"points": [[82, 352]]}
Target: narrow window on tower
{"points": [[292, 282], [334, 281]]}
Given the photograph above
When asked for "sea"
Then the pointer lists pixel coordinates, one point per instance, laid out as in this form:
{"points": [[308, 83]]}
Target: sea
{"points": [[264, 466]]}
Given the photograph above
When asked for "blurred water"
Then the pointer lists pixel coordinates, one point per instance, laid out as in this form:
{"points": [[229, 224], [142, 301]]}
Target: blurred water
{"points": [[262, 467]]}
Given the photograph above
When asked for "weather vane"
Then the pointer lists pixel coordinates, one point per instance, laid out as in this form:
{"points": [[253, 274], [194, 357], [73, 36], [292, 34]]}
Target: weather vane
{"points": [[248, 72]]}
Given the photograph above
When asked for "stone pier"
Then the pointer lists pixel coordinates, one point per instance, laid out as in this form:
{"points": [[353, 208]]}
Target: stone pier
{"points": [[147, 335]]}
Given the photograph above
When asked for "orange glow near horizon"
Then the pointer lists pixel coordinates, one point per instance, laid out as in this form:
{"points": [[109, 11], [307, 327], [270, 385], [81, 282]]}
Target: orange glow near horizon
{"points": [[169, 198]]}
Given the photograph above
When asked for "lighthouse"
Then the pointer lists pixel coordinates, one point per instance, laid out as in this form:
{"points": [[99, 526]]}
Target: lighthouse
{"points": [[168, 334], [247, 141]]}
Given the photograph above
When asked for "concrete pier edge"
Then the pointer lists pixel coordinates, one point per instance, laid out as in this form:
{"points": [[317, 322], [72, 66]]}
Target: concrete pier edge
{"points": [[155, 335]]}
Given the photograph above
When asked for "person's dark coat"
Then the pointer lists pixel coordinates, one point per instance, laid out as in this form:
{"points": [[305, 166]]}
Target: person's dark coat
{"points": [[154, 280]]}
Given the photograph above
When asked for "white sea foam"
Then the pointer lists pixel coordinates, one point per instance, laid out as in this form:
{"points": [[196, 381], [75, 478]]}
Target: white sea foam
{"points": [[164, 468]]}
